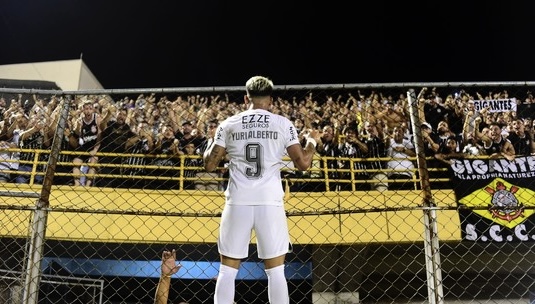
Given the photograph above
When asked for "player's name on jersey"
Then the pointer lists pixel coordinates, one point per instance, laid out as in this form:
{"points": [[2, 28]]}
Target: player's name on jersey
{"points": [[254, 135]]}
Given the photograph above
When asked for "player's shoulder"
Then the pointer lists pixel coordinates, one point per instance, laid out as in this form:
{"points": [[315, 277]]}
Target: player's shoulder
{"points": [[280, 118], [232, 119]]}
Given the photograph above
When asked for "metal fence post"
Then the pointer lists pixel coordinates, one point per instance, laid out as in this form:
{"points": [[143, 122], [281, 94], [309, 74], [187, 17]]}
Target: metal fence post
{"points": [[431, 242]]}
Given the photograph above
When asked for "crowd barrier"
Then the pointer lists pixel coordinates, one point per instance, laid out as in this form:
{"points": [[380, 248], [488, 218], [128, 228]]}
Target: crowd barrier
{"points": [[318, 174]]}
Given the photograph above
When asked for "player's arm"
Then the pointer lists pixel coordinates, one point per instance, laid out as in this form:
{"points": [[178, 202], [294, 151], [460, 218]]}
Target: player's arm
{"points": [[212, 156], [302, 157]]}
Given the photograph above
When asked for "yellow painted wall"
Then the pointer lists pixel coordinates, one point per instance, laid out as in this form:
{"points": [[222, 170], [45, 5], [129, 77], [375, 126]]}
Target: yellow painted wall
{"points": [[193, 216]]}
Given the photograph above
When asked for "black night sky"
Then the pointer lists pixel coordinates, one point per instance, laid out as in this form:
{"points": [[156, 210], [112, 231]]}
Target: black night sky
{"points": [[150, 44]]}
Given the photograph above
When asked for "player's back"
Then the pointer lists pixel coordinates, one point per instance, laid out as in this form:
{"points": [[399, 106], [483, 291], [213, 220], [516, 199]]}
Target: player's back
{"points": [[255, 140]]}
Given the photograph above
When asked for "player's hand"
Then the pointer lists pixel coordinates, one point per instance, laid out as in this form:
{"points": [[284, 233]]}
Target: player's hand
{"points": [[315, 134]]}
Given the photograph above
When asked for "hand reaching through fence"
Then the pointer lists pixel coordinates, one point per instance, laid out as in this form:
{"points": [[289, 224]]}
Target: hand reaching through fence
{"points": [[169, 268]]}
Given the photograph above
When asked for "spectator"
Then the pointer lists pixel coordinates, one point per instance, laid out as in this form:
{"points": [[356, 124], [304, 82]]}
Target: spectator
{"points": [[373, 110], [444, 132], [353, 147], [11, 116], [455, 111], [401, 166], [528, 124], [89, 132], [393, 116], [5, 157], [141, 143], [115, 135], [32, 135], [470, 114], [430, 139], [12, 134], [438, 173], [3, 106], [167, 149], [494, 143], [521, 139], [154, 117], [434, 112], [375, 142], [299, 125], [189, 135], [69, 142], [450, 151], [329, 149], [190, 161]]}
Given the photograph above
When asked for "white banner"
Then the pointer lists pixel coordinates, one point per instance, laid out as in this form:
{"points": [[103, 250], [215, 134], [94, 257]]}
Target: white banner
{"points": [[496, 105]]}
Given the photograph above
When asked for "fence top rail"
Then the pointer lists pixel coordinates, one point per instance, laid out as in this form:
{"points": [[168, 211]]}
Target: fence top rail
{"points": [[277, 87]]}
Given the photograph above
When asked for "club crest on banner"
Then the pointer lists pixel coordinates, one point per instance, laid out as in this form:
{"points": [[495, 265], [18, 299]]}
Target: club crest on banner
{"points": [[505, 202], [496, 198]]}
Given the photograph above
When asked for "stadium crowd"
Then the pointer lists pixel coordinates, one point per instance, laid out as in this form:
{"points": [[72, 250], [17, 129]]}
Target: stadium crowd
{"points": [[367, 139]]}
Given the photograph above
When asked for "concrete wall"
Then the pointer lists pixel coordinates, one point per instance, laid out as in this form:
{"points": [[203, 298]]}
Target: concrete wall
{"points": [[69, 75]]}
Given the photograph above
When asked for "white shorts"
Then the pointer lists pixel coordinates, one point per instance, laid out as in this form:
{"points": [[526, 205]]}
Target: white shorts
{"points": [[270, 226]]}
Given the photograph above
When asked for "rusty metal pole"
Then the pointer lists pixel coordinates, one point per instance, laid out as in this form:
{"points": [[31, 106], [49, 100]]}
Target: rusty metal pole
{"points": [[431, 241], [38, 224]]}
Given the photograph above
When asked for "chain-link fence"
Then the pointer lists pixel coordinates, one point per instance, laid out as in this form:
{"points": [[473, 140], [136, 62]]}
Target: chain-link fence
{"points": [[96, 184]]}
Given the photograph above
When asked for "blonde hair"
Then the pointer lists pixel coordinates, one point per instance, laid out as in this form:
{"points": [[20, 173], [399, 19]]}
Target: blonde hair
{"points": [[258, 86]]}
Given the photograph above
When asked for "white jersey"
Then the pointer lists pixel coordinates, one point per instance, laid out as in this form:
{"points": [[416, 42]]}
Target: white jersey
{"points": [[256, 141]]}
